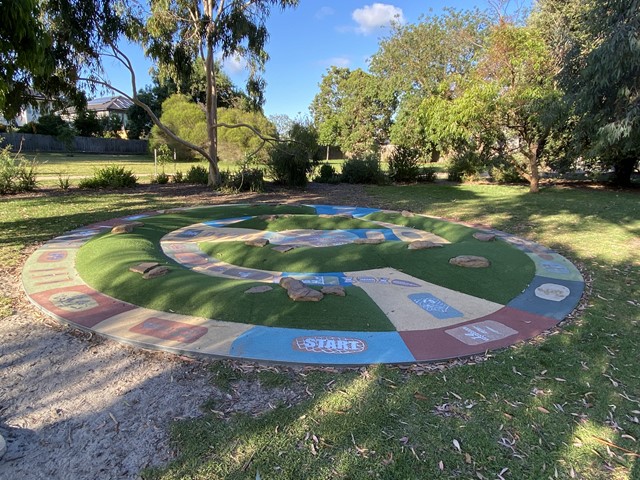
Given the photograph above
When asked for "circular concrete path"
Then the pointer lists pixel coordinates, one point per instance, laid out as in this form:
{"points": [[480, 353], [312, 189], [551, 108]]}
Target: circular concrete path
{"points": [[431, 322]]}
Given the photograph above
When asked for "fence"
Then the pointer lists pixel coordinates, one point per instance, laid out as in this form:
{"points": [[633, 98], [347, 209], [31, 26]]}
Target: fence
{"points": [[46, 143]]}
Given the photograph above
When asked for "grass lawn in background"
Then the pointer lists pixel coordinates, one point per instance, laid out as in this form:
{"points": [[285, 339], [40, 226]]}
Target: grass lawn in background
{"points": [[565, 406]]}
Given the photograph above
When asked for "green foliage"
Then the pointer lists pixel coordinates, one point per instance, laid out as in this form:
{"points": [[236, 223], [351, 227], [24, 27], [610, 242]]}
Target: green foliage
{"points": [[17, 174], [111, 126], [404, 164], [185, 119], [244, 180], [327, 174], [113, 176], [289, 164], [197, 175], [243, 139], [87, 124], [161, 179], [178, 177], [465, 164], [363, 170], [64, 181], [353, 111]]}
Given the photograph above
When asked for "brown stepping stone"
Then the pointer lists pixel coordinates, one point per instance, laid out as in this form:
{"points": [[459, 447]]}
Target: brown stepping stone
{"points": [[143, 267], [299, 292], [407, 213], [334, 290], [259, 242], [368, 241], [158, 271], [423, 244], [484, 237], [126, 227], [470, 261], [259, 289]]}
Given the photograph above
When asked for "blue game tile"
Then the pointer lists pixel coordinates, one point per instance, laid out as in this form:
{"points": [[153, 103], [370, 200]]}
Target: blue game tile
{"points": [[549, 297]]}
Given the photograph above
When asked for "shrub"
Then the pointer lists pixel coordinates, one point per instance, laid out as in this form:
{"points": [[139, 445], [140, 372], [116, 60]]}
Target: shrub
{"points": [[17, 174], [365, 170], [327, 174], [112, 176], [197, 174], [178, 177], [403, 164], [245, 180], [506, 174], [466, 164], [289, 164], [63, 181], [160, 179], [426, 174]]}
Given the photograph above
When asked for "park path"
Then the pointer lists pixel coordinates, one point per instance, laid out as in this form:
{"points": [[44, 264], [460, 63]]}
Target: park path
{"points": [[75, 406]]}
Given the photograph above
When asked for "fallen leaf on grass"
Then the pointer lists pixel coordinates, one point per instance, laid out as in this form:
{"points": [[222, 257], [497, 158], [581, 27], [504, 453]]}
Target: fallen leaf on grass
{"points": [[441, 465], [456, 444], [543, 410], [419, 396]]}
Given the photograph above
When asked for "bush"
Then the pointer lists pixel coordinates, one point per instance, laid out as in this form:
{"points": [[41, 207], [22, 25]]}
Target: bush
{"points": [[506, 174], [112, 176], [17, 174], [365, 170], [426, 174], [160, 179], [289, 164], [178, 177], [466, 164], [327, 174], [403, 164], [198, 175], [245, 180]]}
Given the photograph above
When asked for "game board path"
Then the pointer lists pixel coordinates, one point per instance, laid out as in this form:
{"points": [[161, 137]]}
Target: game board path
{"points": [[458, 325]]}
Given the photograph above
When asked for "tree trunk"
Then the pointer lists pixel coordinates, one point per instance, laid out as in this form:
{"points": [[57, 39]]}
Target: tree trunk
{"points": [[212, 118], [623, 169], [534, 168]]}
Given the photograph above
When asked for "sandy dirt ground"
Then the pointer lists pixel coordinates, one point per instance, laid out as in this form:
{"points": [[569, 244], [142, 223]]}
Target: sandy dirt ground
{"points": [[75, 406]]}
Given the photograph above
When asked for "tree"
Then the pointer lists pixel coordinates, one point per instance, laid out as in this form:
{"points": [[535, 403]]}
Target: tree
{"points": [[186, 120], [353, 111], [599, 49], [178, 32], [416, 60], [508, 106], [87, 124]]}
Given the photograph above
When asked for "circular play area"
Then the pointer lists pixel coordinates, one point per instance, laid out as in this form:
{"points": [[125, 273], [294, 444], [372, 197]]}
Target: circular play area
{"points": [[306, 284]]}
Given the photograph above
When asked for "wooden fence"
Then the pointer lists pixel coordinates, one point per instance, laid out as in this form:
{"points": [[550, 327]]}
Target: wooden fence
{"points": [[46, 143]]}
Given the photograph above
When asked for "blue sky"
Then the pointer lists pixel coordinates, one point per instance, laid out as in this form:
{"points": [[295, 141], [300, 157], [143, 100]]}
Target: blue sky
{"points": [[304, 42]]}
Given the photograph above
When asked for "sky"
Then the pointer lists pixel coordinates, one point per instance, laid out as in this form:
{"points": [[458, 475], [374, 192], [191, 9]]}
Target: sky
{"points": [[304, 42]]}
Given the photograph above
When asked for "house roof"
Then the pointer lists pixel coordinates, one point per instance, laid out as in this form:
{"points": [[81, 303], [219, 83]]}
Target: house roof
{"points": [[109, 104]]}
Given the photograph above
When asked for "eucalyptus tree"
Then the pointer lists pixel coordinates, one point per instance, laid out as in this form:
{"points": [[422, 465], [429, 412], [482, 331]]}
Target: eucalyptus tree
{"points": [[598, 46]]}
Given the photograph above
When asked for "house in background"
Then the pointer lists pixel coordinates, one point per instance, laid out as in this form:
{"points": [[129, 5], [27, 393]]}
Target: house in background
{"points": [[30, 113], [107, 106]]}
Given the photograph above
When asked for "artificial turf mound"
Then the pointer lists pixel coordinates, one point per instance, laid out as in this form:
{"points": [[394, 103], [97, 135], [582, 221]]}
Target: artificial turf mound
{"points": [[187, 292]]}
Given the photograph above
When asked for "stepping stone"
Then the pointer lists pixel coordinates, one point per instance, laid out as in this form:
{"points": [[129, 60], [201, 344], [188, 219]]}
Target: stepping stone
{"points": [[283, 248], [484, 237], [470, 261], [343, 215], [423, 244], [126, 227], [3, 447], [299, 292], [407, 213], [143, 267], [334, 290], [259, 242], [158, 271], [259, 289], [368, 241], [268, 218]]}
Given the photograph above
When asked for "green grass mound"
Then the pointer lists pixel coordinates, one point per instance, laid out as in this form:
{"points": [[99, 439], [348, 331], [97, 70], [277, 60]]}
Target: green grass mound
{"points": [[307, 222], [103, 263]]}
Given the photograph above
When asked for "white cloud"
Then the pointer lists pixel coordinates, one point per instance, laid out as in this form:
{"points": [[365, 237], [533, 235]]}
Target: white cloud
{"points": [[371, 17], [234, 64], [324, 12]]}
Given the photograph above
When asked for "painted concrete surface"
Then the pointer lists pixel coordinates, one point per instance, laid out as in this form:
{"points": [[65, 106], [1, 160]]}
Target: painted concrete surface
{"points": [[431, 322]]}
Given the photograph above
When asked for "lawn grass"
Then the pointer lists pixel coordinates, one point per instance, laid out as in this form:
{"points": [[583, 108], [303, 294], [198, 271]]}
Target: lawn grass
{"points": [[566, 406]]}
